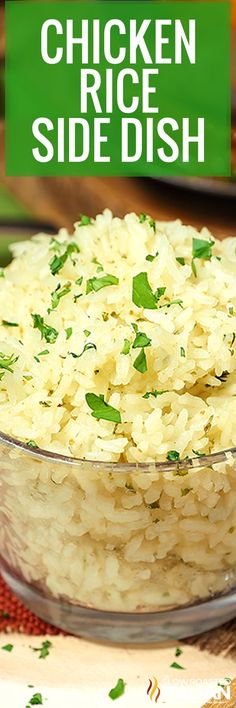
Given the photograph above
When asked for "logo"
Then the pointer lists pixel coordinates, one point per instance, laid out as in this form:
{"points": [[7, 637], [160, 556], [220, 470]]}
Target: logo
{"points": [[153, 690]]}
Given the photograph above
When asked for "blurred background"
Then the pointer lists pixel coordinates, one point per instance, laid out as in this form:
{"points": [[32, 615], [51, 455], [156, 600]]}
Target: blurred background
{"points": [[30, 204]]}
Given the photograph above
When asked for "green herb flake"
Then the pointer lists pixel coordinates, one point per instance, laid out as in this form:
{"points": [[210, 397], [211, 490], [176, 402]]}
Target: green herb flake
{"points": [[178, 651], [6, 363], [194, 269], [202, 249], [173, 302], [173, 455], [47, 332], [84, 220], [184, 493], [159, 292], [68, 332], [57, 294], [43, 650], [79, 280], [140, 363], [180, 260], [57, 262], [175, 665], [198, 454], [154, 393], [141, 340], [36, 700], [142, 218], [95, 284], [101, 409], [151, 258], [7, 647], [118, 690], [87, 332], [182, 352], [5, 323], [142, 294], [32, 443], [126, 347], [88, 345]]}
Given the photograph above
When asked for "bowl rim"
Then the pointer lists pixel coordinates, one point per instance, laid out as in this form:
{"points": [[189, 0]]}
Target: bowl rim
{"points": [[165, 466]]}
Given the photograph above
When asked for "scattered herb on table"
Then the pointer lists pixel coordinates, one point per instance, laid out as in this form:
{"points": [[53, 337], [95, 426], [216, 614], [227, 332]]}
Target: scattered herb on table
{"points": [[6, 363], [36, 700], [95, 284], [118, 690], [175, 665], [101, 409], [178, 651], [47, 332], [173, 455], [43, 649], [8, 647]]}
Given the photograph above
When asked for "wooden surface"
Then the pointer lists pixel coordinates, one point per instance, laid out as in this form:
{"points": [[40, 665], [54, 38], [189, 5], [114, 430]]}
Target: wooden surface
{"points": [[79, 673]]}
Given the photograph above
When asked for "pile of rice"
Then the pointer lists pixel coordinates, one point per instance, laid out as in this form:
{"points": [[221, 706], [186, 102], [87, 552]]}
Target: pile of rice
{"points": [[120, 540]]}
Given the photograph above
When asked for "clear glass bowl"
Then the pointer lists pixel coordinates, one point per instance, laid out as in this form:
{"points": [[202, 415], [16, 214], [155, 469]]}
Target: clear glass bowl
{"points": [[120, 552]]}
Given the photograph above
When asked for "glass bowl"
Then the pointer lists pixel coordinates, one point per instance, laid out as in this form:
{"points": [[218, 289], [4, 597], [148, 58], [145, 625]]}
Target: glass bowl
{"points": [[120, 552]]}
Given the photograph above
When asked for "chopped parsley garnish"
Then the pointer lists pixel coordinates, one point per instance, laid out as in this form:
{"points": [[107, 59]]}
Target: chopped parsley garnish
{"points": [[45, 351], [184, 491], [88, 345], [159, 292], [44, 649], [36, 700], [202, 248], [231, 310], [99, 265], [8, 647], [140, 363], [84, 220], [154, 393], [47, 332], [57, 294], [101, 409], [68, 332], [178, 651], [194, 269], [182, 352], [126, 347], [57, 262], [199, 454], [87, 332], [141, 340], [180, 260], [175, 665], [173, 302], [6, 363], [5, 323], [173, 455], [118, 690], [151, 258], [142, 294], [79, 280], [98, 283], [31, 443]]}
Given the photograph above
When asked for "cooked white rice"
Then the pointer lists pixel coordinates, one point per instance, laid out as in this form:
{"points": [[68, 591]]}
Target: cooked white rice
{"points": [[131, 540]]}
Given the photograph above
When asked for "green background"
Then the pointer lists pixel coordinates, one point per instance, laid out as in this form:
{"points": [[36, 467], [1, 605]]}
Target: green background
{"points": [[34, 88]]}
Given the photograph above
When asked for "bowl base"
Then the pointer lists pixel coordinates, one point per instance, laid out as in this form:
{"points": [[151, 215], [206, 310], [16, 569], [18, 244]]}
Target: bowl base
{"points": [[122, 627]]}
